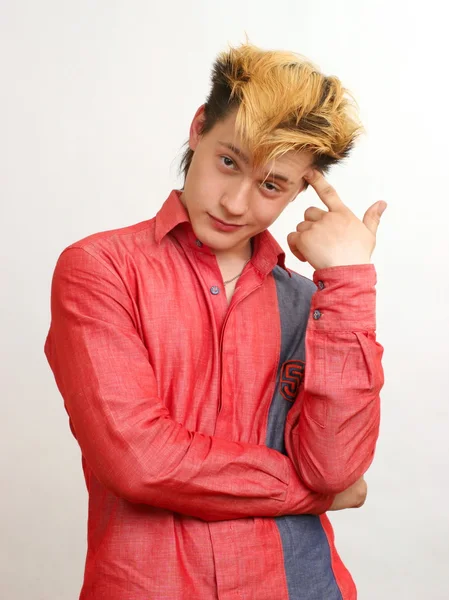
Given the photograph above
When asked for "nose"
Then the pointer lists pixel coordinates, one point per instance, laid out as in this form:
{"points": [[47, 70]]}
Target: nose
{"points": [[236, 200]]}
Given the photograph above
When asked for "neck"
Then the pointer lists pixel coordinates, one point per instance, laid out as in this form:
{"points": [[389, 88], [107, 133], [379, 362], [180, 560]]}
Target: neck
{"points": [[236, 255]]}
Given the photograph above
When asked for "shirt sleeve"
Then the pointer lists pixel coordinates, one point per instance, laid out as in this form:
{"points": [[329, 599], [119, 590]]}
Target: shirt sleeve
{"points": [[333, 425], [125, 432]]}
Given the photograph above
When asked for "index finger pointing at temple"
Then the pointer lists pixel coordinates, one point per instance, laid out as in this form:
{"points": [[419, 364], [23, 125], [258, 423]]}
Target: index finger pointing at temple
{"points": [[324, 190]]}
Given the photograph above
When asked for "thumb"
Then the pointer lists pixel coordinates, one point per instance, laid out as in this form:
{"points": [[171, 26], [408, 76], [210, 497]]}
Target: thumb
{"points": [[373, 214]]}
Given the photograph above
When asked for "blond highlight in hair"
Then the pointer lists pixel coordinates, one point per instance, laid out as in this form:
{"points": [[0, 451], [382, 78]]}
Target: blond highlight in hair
{"points": [[283, 103]]}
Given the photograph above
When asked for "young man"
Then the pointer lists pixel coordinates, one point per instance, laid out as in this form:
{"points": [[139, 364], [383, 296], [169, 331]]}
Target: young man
{"points": [[222, 402]]}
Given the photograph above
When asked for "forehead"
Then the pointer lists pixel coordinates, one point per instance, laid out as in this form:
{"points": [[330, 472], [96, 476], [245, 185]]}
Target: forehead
{"points": [[225, 138]]}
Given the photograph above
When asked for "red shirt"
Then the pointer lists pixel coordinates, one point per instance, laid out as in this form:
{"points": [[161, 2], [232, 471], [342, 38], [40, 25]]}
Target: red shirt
{"points": [[213, 436]]}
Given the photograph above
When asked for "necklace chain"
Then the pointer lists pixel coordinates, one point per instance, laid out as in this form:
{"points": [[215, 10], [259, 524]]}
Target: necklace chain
{"points": [[234, 278]]}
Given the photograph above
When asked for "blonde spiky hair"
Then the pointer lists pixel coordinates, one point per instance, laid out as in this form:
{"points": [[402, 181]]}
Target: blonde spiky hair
{"points": [[283, 103]]}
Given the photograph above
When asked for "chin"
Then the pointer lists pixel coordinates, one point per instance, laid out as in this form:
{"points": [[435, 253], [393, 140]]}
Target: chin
{"points": [[216, 241]]}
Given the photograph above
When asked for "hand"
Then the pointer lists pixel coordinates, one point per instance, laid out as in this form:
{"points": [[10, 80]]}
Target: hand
{"points": [[353, 497], [335, 237]]}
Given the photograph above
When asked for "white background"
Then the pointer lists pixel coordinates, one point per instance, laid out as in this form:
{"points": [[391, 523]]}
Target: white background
{"points": [[96, 101]]}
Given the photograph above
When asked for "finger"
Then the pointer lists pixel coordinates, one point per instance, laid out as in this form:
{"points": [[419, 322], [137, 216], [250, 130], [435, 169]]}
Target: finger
{"points": [[324, 190], [293, 248], [373, 214], [304, 226], [314, 214]]}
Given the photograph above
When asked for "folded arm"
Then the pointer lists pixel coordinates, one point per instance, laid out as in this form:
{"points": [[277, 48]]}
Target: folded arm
{"points": [[332, 428], [125, 432]]}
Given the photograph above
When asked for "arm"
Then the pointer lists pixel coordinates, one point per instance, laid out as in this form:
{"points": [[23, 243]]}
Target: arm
{"points": [[126, 434], [353, 497], [332, 428]]}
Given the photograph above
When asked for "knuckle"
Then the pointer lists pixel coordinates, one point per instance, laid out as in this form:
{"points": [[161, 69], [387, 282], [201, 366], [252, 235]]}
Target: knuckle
{"points": [[333, 216], [303, 226], [361, 502], [328, 190], [308, 212]]}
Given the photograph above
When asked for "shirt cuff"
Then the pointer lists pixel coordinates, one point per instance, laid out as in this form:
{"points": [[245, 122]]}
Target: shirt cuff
{"points": [[301, 500], [345, 299]]}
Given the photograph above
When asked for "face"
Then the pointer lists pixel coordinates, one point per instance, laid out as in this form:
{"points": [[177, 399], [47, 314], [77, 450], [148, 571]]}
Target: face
{"points": [[228, 200]]}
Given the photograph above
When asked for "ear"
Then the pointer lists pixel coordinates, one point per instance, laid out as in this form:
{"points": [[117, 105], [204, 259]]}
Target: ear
{"points": [[196, 128]]}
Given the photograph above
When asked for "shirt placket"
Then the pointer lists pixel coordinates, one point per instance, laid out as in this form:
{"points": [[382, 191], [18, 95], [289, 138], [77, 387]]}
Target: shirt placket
{"points": [[222, 534]]}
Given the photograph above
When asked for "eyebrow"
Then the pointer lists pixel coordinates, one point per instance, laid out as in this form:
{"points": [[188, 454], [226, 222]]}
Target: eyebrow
{"points": [[246, 160]]}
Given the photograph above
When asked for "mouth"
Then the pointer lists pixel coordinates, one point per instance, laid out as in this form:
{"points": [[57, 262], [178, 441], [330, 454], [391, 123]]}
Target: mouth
{"points": [[223, 225]]}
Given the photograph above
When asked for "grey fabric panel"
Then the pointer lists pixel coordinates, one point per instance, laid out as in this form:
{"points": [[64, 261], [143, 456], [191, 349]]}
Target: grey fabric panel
{"points": [[294, 296], [307, 559], [306, 550]]}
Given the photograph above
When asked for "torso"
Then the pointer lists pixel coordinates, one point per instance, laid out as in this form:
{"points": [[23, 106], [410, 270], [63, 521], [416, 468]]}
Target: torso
{"points": [[228, 272], [218, 373]]}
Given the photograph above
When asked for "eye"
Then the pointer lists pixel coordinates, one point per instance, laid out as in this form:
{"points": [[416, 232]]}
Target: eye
{"points": [[271, 186], [227, 162]]}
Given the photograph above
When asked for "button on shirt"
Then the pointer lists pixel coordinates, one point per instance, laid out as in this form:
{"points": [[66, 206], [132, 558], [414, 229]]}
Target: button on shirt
{"points": [[214, 437]]}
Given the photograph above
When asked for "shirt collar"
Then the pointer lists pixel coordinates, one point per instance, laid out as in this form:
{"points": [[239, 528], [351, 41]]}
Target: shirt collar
{"points": [[171, 214], [267, 253]]}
